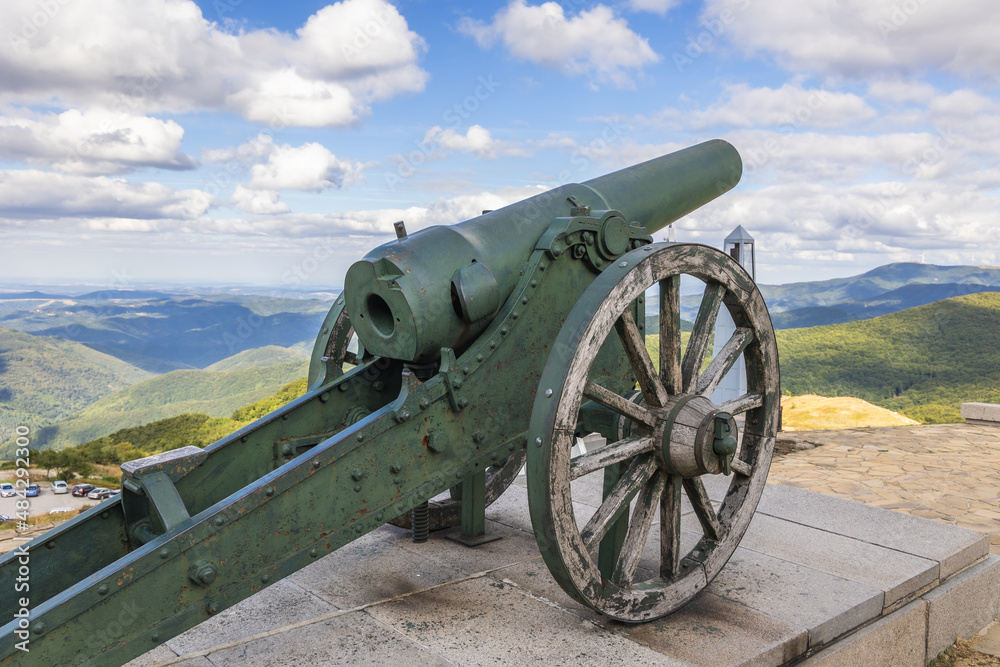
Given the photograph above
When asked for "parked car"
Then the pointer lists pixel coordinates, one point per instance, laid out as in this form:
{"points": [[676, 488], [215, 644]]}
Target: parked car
{"points": [[81, 490], [114, 493], [4, 518], [60, 486], [32, 491], [7, 490], [99, 493]]}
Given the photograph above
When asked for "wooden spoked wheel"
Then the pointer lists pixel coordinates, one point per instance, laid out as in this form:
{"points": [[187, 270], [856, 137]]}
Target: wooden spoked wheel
{"points": [[672, 437]]}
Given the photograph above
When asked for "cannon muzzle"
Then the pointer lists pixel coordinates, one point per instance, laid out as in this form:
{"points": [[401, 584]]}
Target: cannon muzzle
{"points": [[441, 286]]}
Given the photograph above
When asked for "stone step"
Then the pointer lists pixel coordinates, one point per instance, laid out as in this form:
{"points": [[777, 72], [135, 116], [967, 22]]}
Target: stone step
{"points": [[827, 581]]}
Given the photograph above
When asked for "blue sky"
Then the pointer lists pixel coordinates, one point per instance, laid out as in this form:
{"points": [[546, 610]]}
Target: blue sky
{"points": [[253, 142]]}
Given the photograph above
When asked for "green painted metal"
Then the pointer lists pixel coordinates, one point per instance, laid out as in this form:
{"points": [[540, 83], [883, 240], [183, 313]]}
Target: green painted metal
{"points": [[440, 286], [423, 410]]}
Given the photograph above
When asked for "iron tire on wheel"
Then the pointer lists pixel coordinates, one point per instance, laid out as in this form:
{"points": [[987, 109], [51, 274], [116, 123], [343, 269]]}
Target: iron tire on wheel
{"points": [[663, 454]]}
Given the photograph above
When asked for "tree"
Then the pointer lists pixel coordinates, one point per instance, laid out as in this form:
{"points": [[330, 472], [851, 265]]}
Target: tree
{"points": [[73, 461], [46, 459]]}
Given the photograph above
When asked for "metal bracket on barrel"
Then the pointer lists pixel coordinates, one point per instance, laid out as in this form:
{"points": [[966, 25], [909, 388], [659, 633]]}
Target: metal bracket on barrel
{"points": [[452, 376], [598, 237], [150, 500]]}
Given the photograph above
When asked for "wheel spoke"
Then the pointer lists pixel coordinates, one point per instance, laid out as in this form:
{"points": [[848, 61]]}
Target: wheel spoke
{"points": [[701, 334], [741, 404], [619, 404], [638, 529], [703, 508], [635, 476], [670, 334], [670, 529], [638, 356], [723, 360], [741, 467], [609, 455]]}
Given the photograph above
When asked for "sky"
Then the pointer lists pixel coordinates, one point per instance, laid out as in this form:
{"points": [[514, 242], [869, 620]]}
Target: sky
{"points": [[273, 144]]}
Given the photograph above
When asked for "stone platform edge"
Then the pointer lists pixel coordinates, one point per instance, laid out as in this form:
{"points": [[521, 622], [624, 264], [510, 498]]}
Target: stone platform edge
{"points": [[915, 634], [981, 414]]}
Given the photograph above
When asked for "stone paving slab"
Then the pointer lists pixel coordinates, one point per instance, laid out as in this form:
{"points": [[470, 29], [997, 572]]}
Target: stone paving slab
{"points": [[953, 548], [713, 631], [825, 605], [385, 600], [945, 472], [898, 575]]}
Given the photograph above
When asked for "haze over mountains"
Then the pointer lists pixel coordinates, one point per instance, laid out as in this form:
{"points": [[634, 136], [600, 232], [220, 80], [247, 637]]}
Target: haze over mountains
{"points": [[159, 331], [883, 290], [79, 367]]}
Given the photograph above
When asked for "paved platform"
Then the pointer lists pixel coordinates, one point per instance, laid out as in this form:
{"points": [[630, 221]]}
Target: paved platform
{"points": [[817, 580], [945, 472]]}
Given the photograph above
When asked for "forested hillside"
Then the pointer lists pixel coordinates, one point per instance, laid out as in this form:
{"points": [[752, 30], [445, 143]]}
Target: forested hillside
{"points": [[923, 362], [43, 378]]}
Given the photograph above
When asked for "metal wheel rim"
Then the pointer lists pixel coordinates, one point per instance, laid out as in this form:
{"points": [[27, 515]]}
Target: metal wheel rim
{"points": [[554, 421]]}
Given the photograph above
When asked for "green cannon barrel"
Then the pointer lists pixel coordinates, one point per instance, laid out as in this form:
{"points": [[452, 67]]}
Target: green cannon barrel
{"points": [[441, 286]]}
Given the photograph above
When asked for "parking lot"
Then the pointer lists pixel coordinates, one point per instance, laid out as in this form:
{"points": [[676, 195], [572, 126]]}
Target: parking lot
{"points": [[45, 501]]}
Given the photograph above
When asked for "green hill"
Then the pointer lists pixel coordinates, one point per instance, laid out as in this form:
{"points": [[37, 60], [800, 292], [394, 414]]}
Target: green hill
{"points": [[45, 379], [268, 355], [213, 393], [182, 430], [923, 362]]}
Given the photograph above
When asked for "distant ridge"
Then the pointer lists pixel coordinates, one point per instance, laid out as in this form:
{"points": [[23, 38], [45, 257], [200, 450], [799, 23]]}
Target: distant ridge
{"points": [[21, 296], [885, 289]]}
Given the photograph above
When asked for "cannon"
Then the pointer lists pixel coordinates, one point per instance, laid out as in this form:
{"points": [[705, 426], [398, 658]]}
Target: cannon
{"points": [[455, 357]]}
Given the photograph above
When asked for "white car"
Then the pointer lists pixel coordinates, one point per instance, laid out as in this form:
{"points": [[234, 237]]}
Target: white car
{"points": [[60, 486], [7, 490]]}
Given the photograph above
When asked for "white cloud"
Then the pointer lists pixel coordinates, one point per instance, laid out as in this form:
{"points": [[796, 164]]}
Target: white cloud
{"points": [[660, 7], [163, 55], [901, 91], [37, 195], [594, 42], [796, 224], [95, 141], [476, 140], [790, 106], [866, 38], [307, 167], [262, 202]]}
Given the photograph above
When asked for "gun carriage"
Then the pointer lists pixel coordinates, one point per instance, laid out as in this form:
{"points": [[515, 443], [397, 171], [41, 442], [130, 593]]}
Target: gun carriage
{"points": [[482, 347]]}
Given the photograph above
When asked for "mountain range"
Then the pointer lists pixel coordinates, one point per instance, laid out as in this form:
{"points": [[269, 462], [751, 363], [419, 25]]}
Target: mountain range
{"points": [[160, 332], [78, 367], [883, 290]]}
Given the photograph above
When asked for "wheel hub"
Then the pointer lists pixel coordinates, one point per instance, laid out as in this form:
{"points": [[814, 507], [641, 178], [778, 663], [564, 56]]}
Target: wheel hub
{"points": [[696, 438]]}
